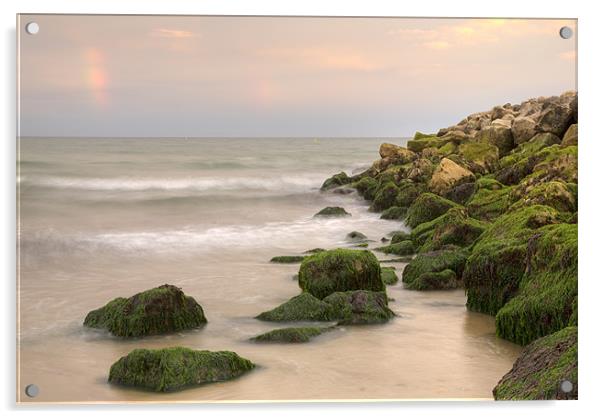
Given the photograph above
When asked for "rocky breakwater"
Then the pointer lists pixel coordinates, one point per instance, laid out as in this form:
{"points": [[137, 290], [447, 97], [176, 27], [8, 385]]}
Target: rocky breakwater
{"points": [[492, 203]]}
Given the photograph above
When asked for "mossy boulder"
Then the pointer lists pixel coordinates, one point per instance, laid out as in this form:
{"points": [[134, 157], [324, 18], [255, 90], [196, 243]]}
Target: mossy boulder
{"points": [[394, 213], [529, 148], [400, 236], [490, 199], [570, 136], [334, 181], [480, 157], [385, 197], [287, 259], [435, 270], [303, 307], [359, 307], [290, 335], [556, 194], [388, 275], [367, 187], [172, 369], [314, 250], [447, 176], [356, 236], [427, 207], [422, 141], [541, 368], [400, 248], [546, 297], [408, 192], [160, 310], [460, 194], [340, 270], [499, 136], [455, 227], [332, 212], [497, 263], [395, 154], [420, 171]]}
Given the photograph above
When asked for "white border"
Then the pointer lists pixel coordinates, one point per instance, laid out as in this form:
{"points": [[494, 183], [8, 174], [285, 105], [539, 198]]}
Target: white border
{"points": [[589, 235]]}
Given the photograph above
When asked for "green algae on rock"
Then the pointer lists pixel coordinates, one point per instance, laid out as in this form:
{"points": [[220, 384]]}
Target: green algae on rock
{"points": [[172, 369], [541, 368], [490, 199], [402, 248], [287, 259], [367, 187], [340, 270], [388, 275], [433, 270], [427, 207], [359, 307], [385, 197], [291, 334], [356, 236], [314, 250], [164, 309], [332, 212], [394, 213], [303, 307], [334, 181]]}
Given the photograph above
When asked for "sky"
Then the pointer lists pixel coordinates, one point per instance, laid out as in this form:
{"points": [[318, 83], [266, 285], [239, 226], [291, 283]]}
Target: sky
{"points": [[176, 76]]}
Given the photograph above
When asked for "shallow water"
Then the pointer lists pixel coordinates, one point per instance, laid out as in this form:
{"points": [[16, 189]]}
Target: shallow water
{"points": [[101, 218]]}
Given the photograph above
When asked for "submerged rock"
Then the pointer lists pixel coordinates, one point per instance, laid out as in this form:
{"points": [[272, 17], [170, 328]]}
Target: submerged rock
{"points": [[172, 369], [314, 250], [291, 334], [402, 248], [541, 369], [359, 307], [303, 307], [287, 259], [340, 270], [164, 309], [339, 179], [332, 212], [356, 236]]}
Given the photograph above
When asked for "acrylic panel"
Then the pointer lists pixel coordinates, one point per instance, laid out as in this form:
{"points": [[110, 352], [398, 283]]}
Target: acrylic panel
{"points": [[228, 208]]}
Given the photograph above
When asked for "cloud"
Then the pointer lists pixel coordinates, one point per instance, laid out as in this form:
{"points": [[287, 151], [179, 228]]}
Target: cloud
{"points": [[172, 33], [325, 58], [437, 44]]}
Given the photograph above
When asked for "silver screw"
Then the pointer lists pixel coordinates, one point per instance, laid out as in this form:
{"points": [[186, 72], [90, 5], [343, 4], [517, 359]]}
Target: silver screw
{"points": [[566, 32], [32, 390], [566, 386]]}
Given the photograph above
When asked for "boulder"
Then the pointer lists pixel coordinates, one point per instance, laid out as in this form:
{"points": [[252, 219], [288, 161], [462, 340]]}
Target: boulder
{"points": [[556, 194], [480, 157], [303, 307], [541, 368], [396, 154], [498, 135], [461, 193], [339, 179], [523, 129], [356, 236], [367, 187], [401, 248], [287, 259], [435, 270], [490, 199], [394, 213], [165, 309], [555, 118], [427, 207], [388, 275], [421, 170], [570, 136], [291, 335], [408, 192], [385, 197], [172, 369], [447, 176], [332, 212], [340, 270], [359, 307]]}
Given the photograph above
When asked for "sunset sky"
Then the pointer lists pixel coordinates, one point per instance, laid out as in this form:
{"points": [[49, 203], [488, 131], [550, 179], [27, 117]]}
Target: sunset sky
{"points": [[294, 77]]}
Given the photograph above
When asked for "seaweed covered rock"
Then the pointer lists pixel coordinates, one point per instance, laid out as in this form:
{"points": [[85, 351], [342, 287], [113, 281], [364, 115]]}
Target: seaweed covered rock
{"points": [[408, 192], [172, 369], [287, 259], [164, 309], [356, 236], [498, 135], [541, 368], [367, 187], [395, 154], [556, 194], [490, 199], [314, 250], [340, 270], [570, 136], [388, 275], [420, 171], [334, 181], [455, 227], [385, 197], [332, 212], [400, 236], [359, 307], [422, 141], [481, 158], [522, 154], [546, 297], [435, 270], [402, 248], [291, 335], [394, 213], [497, 263], [303, 307], [427, 207], [447, 176]]}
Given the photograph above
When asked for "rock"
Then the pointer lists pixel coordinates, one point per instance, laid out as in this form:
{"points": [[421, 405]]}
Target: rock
{"points": [[555, 118], [342, 190], [396, 154], [490, 199], [421, 170], [367, 187], [339, 179], [435, 270], [541, 368], [408, 192], [388, 275], [303, 307], [291, 335], [555, 194], [523, 129], [401, 249], [400, 236], [164, 309], [427, 207], [480, 157], [420, 142], [356, 236], [340, 270], [359, 307], [385, 198], [287, 259], [394, 213], [332, 212], [570, 136], [384, 239], [315, 250], [172, 369], [454, 228], [448, 175], [461, 194], [499, 135]]}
